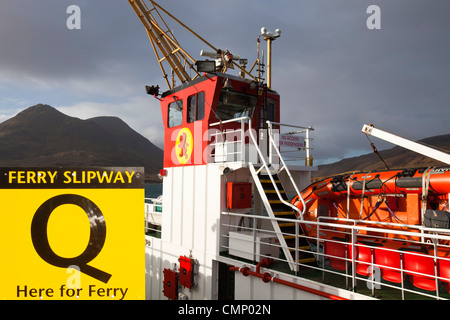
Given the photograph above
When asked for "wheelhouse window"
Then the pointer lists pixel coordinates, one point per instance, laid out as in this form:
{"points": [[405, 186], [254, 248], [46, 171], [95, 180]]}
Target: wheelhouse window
{"points": [[175, 113], [268, 113], [196, 107], [234, 105]]}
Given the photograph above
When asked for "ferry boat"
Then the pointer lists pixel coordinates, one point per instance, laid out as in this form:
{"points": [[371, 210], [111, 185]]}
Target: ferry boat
{"points": [[239, 218]]}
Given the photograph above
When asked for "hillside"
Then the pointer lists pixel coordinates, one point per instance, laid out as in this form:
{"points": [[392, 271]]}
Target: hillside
{"points": [[396, 157], [43, 136]]}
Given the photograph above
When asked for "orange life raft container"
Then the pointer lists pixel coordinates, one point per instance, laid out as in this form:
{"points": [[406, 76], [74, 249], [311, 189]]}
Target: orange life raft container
{"points": [[401, 198]]}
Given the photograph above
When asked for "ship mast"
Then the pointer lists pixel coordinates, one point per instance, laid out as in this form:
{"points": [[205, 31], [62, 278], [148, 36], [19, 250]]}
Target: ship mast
{"points": [[269, 37]]}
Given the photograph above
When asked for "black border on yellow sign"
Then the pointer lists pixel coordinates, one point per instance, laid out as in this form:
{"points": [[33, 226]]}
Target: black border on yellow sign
{"points": [[113, 256], [71, 177]]}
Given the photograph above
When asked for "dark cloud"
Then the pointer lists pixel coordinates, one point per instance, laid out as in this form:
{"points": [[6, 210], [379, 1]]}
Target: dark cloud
{"points": [[342, 75]]}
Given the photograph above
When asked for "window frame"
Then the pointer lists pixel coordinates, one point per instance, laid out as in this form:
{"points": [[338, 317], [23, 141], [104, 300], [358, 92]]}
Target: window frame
{"points": [[249, 109], [193, 107], [177, 121]]}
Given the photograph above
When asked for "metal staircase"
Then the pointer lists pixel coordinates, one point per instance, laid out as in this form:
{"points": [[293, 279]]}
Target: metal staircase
{"points": [[294, 245], [284, 216]]}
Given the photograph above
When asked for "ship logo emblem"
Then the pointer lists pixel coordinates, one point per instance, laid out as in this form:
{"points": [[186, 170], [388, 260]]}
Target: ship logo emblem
{"points": [[184, 145]]}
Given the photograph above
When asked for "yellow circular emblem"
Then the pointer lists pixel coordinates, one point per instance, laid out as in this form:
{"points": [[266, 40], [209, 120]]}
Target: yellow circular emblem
{"points": [[184, 145]]}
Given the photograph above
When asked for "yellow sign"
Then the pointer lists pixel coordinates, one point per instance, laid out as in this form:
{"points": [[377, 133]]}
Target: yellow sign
{"points": [[72, 233], [184, 145]]}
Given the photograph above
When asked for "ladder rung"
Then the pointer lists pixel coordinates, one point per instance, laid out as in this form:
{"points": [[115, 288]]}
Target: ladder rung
{"points": [[273, 191], [287, 224], [176, 50], [306, 260], [301, 248], [275, 201], [283, 213], [269, 181]]}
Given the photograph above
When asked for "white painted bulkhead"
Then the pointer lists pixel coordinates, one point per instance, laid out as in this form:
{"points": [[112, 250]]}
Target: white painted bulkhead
{"points": [[192, 199], [254, 288]]}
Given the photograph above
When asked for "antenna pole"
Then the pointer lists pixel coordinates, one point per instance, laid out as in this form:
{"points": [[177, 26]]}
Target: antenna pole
{"points": [[269, 37]]}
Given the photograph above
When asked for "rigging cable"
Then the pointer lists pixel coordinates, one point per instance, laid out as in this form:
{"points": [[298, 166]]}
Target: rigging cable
{"points": [[376, 152], [362, 193]]}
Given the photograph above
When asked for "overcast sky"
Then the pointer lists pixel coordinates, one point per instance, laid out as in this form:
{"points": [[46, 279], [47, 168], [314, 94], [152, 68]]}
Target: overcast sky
{"points": [[331, 70]]}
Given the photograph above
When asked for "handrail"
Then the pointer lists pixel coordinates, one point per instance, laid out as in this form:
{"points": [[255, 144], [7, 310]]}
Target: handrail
{"points": [[151, 214], [242, 120], [431, 235], [390, 224], [229, 121], [373, 281], [265, 165], [272, 141], [304, 129]]}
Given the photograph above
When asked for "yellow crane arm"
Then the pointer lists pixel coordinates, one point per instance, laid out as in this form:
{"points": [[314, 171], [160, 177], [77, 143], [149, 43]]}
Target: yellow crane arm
{"points": [[165, 46]]}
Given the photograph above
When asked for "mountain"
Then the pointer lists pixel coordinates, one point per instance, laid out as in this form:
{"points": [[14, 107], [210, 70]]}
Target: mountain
{"points": [[43, 136], [396, 157]]}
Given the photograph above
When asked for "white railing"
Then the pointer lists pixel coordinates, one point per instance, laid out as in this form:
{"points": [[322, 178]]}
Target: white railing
{"points": [[295, 146], [245, 153], [229, 145], [274, 145], [153, 216], [354, 262]]}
